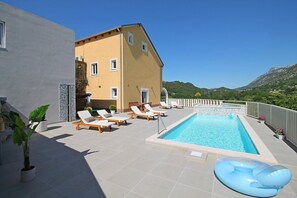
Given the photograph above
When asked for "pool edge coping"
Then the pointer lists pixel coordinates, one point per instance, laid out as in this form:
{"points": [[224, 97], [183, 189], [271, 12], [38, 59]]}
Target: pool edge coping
{"points": [[264, 152]]}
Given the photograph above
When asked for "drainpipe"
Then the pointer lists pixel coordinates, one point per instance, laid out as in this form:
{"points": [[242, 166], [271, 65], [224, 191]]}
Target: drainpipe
{"points": [[121, 72]]}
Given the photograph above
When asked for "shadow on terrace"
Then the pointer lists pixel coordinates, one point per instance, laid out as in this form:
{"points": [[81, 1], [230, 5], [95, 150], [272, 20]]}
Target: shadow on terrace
{"points": [[60, 170]]}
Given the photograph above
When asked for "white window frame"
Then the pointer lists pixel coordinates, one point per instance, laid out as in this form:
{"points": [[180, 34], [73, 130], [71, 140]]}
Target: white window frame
{"points": [[111, 64], [144, 44], [147, 90], [112, 96], [3, 33], [130, 35], [91, 65]]}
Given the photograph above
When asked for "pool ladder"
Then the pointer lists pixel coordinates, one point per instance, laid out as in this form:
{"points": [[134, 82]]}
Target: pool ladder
{"points": [[159, 118]]}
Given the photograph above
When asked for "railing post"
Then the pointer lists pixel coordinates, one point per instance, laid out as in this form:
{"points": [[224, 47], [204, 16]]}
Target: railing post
{"points": [[258, 110], [158, 124], [271, 116], [287, 112]]}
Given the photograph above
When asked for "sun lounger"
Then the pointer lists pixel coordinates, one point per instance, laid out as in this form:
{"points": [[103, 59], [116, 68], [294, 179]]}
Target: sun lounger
{"points": [[164, 105], [150, 109], [138, 113], [86, 119], [107, 116], [175, 105]]}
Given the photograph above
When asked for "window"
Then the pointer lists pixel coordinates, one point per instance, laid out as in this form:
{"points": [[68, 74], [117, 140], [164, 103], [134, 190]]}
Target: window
{"points": [[114, 92], [144, 95], [113, 65], [94, 69], [130, 38], [144, 46], [2, 34]]}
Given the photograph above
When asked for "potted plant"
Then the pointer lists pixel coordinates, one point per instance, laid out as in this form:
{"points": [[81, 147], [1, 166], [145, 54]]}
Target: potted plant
{"points": [[261, 119], [22, 134], [279, 134], [112, 109], [42, 126]]}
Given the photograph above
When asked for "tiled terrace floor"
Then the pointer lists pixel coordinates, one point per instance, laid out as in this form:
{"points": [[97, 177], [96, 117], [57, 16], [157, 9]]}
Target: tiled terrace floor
{"points": [[120, 163]]}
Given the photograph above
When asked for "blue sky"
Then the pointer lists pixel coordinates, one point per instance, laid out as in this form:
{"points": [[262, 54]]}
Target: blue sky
{"points": [[211, 43]]}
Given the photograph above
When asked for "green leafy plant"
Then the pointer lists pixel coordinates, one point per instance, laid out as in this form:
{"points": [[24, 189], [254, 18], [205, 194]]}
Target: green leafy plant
{"points": [[22, 132], [112, 107], [90, 109]]}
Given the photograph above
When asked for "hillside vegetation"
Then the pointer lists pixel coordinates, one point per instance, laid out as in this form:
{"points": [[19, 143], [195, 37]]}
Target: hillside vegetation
{"points": [[278, 86]]}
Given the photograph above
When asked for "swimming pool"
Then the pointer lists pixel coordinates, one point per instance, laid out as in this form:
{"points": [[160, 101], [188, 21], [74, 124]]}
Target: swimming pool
{"points": [[223, 132]]}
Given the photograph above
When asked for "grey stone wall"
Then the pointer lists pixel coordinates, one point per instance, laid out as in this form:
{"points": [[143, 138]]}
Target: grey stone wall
{"points": [[38, 58]]}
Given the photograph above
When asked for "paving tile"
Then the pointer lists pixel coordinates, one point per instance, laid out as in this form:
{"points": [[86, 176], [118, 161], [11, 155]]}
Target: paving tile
{"points": [[203, 181], [104, 154], [9, 181], [127, 177], [113, 190], [93, 161], [33, 188], [78, 185], [200, 166], [143, 164], [286, 159], [176, 160], [105, 170], [290, 187], [58, 175], [181, 190], [217, 196], [152, 186], [286, 195], [47, 194], [222, 190], [123, 158], [293, 184], [133, 195], [155, 155], [167, 171]]}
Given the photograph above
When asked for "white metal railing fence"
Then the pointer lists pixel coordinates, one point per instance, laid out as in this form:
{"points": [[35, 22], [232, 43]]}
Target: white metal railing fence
{"points": [[224, 109], [193, 102], [277, 117]]}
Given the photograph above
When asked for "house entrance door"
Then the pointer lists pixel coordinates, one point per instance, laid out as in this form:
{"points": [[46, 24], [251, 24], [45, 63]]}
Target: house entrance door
{"points": [[144, 95]]}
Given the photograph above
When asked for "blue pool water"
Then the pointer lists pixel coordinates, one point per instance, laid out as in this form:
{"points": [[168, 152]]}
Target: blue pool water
{"points": [[224, 132]]}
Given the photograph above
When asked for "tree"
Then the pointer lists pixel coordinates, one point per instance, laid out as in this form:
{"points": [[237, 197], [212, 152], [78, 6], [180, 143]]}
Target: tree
{"points": [[197, 94]]}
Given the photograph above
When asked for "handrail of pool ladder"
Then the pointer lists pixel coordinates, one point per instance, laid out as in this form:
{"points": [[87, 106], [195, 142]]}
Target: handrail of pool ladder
{"points": [[159, 118]]}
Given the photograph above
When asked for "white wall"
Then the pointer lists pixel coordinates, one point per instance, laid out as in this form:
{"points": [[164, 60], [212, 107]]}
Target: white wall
{"points": [[39, 56]]}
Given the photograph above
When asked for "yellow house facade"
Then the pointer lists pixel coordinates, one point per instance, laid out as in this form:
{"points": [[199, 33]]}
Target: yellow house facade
{"points": [[123, 67]]}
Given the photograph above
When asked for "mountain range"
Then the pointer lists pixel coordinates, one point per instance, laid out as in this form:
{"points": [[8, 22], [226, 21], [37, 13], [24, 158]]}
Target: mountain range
{"points": [[275, 78], [278, 86]]}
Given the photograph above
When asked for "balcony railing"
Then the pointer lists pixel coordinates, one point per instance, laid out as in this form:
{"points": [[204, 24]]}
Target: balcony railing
{"points": [[275, 116]]}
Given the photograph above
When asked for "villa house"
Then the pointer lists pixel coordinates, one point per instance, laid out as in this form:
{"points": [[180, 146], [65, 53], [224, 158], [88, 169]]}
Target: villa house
{"points": [[123, 67], [36, 64]]}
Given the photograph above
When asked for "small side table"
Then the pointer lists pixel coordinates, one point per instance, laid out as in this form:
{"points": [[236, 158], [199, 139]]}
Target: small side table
{"points": [[3, 133]]}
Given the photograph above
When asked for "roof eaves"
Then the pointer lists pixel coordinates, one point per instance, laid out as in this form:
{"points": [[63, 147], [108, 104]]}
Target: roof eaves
{"points": [[152, 44], [106, 31]]}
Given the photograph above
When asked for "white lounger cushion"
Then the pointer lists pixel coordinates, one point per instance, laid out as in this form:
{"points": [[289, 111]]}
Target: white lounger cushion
{"points": [[87, 118], [150, 109], [163, 104], [138, 112], [101, 123], [103, 114]]}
